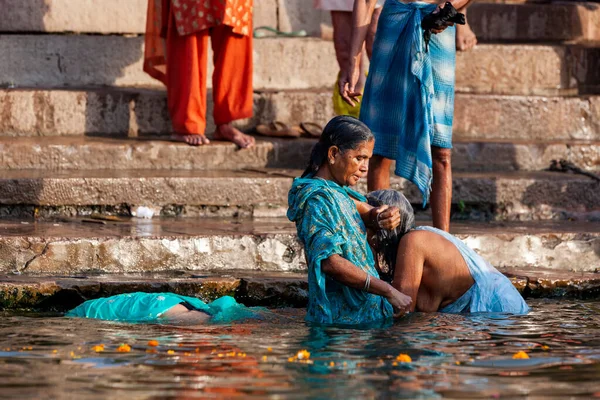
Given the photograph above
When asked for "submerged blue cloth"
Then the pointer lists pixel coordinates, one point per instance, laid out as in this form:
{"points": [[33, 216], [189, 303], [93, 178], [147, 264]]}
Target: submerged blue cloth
{"points": [[149, 307], [328, 223], [491, 292], [408, 101]]}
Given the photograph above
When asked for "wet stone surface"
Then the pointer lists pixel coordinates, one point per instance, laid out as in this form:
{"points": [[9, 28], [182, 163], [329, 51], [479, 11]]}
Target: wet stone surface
{"points": [[253, 289]]}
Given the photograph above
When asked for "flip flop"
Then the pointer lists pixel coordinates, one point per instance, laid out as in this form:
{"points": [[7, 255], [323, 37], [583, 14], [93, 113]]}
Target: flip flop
{"points": [[277, 129], [267, 31], [311, 129]]}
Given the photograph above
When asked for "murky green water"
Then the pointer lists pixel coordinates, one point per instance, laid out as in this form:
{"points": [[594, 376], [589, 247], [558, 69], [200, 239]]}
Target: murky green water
{"points": [[453, 356]]}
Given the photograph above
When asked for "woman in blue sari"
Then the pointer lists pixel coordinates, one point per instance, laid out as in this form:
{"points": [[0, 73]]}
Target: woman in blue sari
{"points": [[162, 308], [331, 219]]}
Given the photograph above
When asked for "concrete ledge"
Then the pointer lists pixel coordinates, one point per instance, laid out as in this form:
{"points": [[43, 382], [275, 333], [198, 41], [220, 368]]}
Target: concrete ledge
{"points": [[560, 21], [62, 294], [270, 290], [203, 245], [137, 112], [507, 196], [289, 63], [90, 153]]}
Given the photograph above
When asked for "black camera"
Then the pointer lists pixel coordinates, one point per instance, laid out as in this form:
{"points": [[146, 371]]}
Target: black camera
{"points": [[439, 19]]}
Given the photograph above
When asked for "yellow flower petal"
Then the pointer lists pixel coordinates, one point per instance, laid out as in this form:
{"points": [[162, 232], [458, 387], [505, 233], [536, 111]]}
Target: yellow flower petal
{"points": [[405, 358], [124, 348], [153, 343], [303, 355], [99, 348], [520, 355]]}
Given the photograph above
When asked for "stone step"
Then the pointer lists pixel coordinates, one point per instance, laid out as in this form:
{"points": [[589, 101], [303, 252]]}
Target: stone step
{"points": [[96, 16], [256, 192], [62, 293], [290, 63], [90, 153], [222, 246], [138, 112], [534, 22], [493, 19]]}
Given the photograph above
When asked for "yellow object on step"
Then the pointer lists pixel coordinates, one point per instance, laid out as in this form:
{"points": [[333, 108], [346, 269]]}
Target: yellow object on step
{"points": [[340, 107]]}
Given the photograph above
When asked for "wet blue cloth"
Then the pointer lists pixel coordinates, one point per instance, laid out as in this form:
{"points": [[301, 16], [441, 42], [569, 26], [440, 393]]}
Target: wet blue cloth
{"points": [[328, 223], [491, 292], [149, 307], [408, 101]]}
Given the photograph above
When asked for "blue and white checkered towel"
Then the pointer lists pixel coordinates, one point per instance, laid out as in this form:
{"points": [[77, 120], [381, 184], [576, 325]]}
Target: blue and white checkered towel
{"points": [[408, 100]]}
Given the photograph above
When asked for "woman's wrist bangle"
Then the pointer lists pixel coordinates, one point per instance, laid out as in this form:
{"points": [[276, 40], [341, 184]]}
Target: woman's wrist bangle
{"points": [[367, 283]]}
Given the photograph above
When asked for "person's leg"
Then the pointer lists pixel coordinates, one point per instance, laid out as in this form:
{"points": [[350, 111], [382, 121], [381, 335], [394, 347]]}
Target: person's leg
{"points": [[186, 84], [232, 83], [441, 187], [378, 176], [180, 314], [465, 37]]}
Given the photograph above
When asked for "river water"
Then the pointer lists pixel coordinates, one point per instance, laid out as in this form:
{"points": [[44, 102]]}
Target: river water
{"points": [[452, 356]]}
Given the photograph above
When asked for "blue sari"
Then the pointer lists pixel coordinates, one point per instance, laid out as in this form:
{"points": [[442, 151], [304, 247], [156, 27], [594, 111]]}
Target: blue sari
{"points": [[150, 307], [328, 223]]}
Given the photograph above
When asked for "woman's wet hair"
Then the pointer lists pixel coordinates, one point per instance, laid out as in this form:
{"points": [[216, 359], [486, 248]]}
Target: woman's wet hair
{"points": [[344, 132], [388, 240]]}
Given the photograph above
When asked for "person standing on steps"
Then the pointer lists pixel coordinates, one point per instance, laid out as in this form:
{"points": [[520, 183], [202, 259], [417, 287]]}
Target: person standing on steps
{"points": [[341, 21], [176, 53], [408, 101]]}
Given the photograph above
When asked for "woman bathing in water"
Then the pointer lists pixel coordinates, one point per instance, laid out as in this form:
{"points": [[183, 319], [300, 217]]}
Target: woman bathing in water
{"points": [[437, 270], [163, 307], [434, 271]]}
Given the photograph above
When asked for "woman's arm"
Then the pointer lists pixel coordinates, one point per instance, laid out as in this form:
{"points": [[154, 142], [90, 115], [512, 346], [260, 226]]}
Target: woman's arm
{"points": [[350, 275], [384, 217], [361, 19]]}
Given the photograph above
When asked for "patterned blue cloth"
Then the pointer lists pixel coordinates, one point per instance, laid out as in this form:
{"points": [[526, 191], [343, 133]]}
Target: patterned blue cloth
{"points": [[491, 292], [408, 100], [149, 307], [328, 223]]}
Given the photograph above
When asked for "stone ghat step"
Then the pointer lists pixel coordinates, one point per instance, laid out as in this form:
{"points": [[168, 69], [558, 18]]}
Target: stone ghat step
{"points": [[202, 245], [506, 195], [274, 290], [493, 19], [534, 22], [288, 63], [138, 112], [90, 153]]}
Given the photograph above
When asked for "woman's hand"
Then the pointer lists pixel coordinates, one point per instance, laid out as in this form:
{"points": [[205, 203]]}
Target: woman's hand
{"points": [[385, 217], [349, 78], [399, 301]]}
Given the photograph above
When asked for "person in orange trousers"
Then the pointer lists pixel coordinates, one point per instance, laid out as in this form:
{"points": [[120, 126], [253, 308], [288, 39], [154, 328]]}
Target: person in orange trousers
{"points": [[176, 53]]}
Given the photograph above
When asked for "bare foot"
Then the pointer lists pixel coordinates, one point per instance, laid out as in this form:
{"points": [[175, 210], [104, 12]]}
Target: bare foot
{"points": [[465, 38], [192, 140], [229, 133]]}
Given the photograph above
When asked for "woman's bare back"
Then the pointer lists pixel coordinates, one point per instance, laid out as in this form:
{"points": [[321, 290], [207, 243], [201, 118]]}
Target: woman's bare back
{"points": [[431, 270]]}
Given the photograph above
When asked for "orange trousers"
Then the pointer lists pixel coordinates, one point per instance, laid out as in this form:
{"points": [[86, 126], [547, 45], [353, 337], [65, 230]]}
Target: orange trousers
{"points": [[186, 77]]}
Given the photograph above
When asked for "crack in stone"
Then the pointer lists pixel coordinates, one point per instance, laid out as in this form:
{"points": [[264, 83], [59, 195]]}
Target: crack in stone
{"points": [[43, 253]]}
